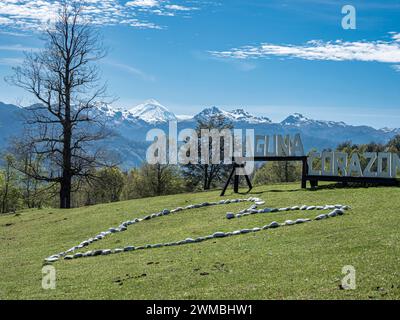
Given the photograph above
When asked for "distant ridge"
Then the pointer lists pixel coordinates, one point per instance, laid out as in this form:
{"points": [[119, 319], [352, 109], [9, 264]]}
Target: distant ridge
{"points": [[131, 125]]}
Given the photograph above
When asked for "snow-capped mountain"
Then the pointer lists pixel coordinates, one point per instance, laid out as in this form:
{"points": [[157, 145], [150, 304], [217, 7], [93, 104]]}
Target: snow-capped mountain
{"points": [[152, 111], [131, 126], [237, 115], [297, 120]]}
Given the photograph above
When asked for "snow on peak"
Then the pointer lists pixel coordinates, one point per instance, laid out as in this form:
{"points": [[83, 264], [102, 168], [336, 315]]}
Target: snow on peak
{"points": [[390, 130], [297, 119], [207, 113], [211, 111], [237, 115], [242, 115], [152, 111]]}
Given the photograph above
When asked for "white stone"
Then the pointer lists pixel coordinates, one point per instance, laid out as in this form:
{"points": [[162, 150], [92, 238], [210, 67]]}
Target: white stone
{"points": [[332, 214], [340, 212], [219, 234], [321, 216], [88, 253], [51, 259], [274, 224], [289, 222], [245, 231]]}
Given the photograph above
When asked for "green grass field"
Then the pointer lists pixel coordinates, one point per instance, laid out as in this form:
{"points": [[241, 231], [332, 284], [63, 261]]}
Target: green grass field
{"points": [[297, 262]]}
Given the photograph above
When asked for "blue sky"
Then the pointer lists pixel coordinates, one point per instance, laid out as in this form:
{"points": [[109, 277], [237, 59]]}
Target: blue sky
{"points": [[252, 54]]}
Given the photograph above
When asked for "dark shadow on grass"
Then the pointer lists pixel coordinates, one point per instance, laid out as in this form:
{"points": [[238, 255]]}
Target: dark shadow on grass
{"points": [[285, 190], [350, 185]]}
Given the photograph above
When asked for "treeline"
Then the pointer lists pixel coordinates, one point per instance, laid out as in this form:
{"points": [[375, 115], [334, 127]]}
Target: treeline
{"points": [[20, 191], [17, 191], [109, 184]]}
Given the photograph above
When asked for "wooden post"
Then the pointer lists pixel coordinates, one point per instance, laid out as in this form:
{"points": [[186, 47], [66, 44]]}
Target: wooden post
{"points": [[229, 180], [248, 182], [236, 182], [304, 173]]}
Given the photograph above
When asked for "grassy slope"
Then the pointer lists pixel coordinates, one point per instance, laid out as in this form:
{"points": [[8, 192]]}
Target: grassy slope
{"points": [[297, 262]]}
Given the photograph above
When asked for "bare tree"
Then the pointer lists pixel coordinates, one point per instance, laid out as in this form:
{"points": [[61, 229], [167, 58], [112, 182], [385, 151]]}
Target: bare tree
{"points": [[208, 174], [63, 77]]}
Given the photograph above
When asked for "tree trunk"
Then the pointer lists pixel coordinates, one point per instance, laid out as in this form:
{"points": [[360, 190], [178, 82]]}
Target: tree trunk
{"points": [[286, 172], [4, 208], [205, 185], [66, 181], [65, 193]]}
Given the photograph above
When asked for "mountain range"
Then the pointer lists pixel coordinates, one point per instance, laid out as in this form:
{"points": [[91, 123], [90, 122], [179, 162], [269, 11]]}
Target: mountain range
{"points": [[131, 125]]}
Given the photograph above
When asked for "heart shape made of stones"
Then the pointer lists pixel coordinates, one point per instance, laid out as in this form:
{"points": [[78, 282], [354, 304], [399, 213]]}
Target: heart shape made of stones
{"points": [[337, 210]]}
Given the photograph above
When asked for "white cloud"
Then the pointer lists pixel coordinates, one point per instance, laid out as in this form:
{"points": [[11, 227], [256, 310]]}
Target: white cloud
{"points": [[35, 14], [142, 3], [179, 7], [378, 51]]}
